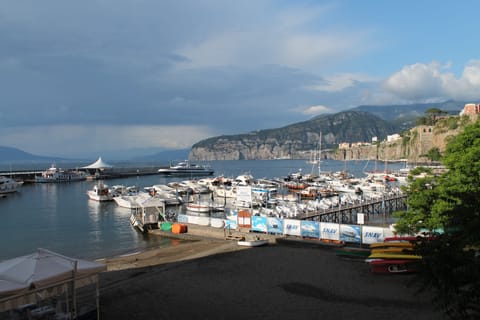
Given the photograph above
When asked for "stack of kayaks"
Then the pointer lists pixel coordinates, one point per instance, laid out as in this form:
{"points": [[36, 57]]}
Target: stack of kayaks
{"points": [[394, 255], [351, 252]]}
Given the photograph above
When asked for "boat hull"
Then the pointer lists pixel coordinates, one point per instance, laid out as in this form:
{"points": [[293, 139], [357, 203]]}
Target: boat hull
{"points": [[394, 266], [252, 243]]}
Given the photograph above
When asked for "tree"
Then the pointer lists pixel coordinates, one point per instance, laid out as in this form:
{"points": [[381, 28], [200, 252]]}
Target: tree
{"points": [[451, 201], [432, 114], [434, 154]]}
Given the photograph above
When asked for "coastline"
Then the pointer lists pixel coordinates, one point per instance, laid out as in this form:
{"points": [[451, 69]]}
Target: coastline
{"points": [[205, 276], [197, 242]]}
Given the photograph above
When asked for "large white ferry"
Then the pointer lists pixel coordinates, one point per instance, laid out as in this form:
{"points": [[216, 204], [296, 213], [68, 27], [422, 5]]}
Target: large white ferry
{"points": [[54, 174], [185, 168]]}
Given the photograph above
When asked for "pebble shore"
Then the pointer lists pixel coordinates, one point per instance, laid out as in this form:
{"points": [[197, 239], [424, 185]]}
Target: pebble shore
{"points": [[204, 276]]}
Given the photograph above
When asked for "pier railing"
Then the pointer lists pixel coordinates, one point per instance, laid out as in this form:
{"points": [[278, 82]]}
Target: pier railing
{"points": [[373, 209]]}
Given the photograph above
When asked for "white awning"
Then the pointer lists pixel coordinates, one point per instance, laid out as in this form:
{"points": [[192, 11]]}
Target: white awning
{"points": [[99, 164]]}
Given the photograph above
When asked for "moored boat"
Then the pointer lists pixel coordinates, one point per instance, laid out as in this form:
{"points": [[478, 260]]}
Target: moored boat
{"points": [[9, 185], [54, 174], [100, 192], [186, 168]]}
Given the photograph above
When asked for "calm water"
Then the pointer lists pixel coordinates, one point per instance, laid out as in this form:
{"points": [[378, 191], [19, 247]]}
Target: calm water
{"points": [[61, 218]]}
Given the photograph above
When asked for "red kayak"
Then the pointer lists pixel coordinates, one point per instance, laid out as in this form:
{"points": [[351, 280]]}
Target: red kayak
{"points": [[391, 266]]}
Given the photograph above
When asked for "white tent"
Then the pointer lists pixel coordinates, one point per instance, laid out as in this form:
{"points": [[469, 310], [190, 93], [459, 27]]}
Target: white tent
{"points": [[42, 274], [99, 164]]}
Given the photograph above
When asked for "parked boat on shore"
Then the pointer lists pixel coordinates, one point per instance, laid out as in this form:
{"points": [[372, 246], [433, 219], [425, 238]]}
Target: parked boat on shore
{"points": [[253, 242]]}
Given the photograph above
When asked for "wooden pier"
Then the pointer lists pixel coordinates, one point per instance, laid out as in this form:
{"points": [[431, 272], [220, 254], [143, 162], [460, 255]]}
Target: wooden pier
{"points": [[373, 210]]}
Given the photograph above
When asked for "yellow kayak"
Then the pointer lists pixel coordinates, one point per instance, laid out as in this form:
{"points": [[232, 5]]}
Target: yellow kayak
{"points": [[384, 255], [391, 244], [403, 250]]}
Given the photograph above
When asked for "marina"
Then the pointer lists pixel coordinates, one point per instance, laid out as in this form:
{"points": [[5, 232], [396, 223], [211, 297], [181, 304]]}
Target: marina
{"points": [[62, 218]]}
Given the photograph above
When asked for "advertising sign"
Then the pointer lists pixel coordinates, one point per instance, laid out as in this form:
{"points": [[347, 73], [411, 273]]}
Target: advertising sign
{"points": [[329, 231], [310, 229], [351, 233], [372, 234], [259, 224], [292, 227], [274, 225]]}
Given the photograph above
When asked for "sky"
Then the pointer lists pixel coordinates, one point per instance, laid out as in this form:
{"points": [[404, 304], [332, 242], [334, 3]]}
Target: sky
{"points": [[96, 78]]}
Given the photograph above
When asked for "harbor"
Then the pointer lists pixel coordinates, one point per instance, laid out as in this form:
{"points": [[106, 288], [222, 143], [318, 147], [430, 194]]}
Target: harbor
{"points": [[59, 216], [62, 217]]}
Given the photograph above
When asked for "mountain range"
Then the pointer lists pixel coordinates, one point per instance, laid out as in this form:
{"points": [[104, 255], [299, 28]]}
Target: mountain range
{"points": [[328, 130], [358, 124]]}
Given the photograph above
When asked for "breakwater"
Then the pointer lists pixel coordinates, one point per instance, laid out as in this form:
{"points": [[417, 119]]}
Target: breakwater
{"points": [[28, 176]]}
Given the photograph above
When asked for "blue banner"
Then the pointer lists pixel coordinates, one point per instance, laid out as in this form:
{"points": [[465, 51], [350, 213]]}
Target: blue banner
{"points": [[351, 233], [274, 225], [310, 229], [259, 224]]}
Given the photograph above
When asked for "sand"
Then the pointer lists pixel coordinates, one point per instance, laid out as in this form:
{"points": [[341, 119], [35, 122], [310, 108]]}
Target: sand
{"points": [[212, 278]]}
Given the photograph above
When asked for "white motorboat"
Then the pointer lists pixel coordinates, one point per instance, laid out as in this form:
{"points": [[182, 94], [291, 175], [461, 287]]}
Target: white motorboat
{"points": [[131, 201], [100, 192], [198, 207], [54, 174], [253, 243], [9, 185], [186, 168]]}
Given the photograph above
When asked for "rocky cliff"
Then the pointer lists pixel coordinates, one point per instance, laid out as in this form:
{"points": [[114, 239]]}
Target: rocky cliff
{"points": [[297, 141], [413, 145], [301, 141]]}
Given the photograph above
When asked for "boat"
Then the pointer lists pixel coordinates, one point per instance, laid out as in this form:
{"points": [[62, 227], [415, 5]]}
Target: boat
{"points": [[100, 192], [145, 217], [198, 207], [352, 252], [394, 266], [393, 256], [54, 174], [186, 168], [131, 201], [253, 243], [9, 185]]}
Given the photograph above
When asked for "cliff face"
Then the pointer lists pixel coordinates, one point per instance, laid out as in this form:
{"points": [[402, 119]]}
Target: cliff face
{"points": [[414, 145], [297, 141]]}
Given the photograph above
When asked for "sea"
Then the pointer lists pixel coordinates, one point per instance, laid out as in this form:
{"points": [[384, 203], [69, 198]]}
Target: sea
{"points": [[60, 217]]}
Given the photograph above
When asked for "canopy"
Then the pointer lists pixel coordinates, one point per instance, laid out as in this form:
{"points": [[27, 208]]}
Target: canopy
{"points": [[99, 164], [42, 270]]}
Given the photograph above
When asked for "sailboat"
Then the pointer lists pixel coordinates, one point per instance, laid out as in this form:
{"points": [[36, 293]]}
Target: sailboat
{"points": [[317, 159]]}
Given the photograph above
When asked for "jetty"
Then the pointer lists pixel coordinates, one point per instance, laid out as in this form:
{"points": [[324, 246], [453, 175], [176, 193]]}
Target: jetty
{"points": [[28, 176]]}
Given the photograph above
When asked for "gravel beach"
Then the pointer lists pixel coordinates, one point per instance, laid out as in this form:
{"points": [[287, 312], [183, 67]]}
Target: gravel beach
{"points": [[211, 278]]}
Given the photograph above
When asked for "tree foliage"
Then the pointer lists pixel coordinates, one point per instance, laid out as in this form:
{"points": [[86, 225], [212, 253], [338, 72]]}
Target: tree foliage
{"points": [[450, 201]]}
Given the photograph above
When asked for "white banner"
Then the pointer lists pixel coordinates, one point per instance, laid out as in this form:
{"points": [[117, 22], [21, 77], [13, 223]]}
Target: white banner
{"points": [[372, 234], [330, 231], [244, 193], [292, 227]]}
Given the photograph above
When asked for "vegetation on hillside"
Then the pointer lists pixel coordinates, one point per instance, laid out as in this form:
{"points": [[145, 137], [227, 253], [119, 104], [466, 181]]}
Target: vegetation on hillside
{"points": [[450, 202]]}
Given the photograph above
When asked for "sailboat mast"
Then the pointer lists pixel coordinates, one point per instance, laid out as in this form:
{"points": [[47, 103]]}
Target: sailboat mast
{"points": [[319, 153]]}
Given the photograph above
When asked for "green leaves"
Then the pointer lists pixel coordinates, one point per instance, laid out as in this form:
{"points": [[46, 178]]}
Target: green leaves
{"points": [[450, 201]]}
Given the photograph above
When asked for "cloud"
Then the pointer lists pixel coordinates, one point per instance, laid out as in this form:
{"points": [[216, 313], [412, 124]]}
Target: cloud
{"points": [[78, 140], [423, 82], [314, 110], [340, 82]]}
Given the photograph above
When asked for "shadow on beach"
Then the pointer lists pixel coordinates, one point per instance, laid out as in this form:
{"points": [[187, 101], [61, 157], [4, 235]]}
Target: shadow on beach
{"points": [[272, 282]]}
